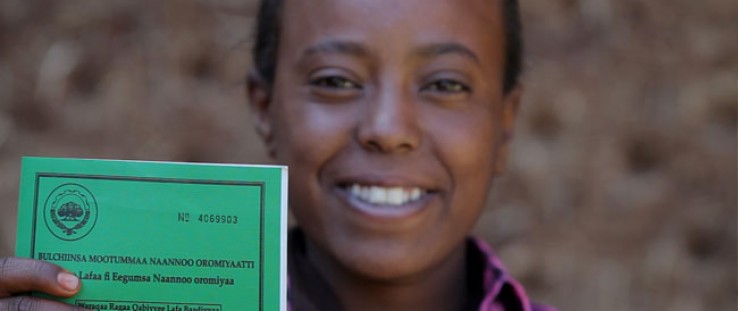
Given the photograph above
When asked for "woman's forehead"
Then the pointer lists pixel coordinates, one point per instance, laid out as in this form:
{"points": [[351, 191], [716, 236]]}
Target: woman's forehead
{"points": [[417, 25], [383, 11]]}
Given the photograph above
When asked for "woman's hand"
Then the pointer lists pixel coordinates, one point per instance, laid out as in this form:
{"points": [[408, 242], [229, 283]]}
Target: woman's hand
{"points": [[21, 275]]}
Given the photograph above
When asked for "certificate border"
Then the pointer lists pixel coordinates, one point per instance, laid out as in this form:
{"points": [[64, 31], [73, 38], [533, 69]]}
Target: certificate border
{"points": [[261, 186]]}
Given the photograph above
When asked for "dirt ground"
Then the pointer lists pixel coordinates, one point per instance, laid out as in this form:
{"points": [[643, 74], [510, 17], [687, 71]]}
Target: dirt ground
{"points": [[621, 188]]}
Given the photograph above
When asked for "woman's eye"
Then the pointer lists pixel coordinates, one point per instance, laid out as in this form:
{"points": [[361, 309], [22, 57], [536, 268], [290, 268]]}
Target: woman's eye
{"points": [[336, 82], [447, 86]]}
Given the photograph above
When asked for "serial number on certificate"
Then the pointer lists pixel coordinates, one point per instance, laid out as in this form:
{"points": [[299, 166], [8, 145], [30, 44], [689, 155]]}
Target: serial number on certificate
{"points": [[220, 219]]}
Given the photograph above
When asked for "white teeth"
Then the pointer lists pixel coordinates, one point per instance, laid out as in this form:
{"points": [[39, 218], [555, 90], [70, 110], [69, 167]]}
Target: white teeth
{"points": [[385, 196], [395, 196], [415, 194], [364, 193], [377, 194]]}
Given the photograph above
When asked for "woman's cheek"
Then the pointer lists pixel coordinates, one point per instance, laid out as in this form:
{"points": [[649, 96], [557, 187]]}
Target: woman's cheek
{"points": [[465, 139], [312, 134]]}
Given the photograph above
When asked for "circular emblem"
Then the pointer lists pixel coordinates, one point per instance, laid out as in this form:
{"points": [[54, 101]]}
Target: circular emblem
{"points": [[70, 212]]}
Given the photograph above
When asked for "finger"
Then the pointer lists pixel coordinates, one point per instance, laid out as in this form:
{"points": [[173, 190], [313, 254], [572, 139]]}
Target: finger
{"points": [[18, 275], [27, 303]]}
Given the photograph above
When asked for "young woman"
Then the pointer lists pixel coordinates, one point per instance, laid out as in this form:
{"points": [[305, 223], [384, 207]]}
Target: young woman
{"points": [[394, 118]]}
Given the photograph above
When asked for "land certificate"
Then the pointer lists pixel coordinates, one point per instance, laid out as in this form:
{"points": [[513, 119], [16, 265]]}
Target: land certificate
{"points": [[159, 236]]}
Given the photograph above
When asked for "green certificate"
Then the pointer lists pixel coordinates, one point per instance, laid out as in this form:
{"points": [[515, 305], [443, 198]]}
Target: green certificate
{"points": [[159, 236]]}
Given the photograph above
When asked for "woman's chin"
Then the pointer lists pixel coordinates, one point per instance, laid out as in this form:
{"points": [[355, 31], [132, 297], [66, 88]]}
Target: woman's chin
{"points": [[386, 263]]}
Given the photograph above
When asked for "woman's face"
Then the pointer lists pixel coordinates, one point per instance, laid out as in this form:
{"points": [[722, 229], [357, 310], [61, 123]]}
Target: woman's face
{"points": [[391, 117]]}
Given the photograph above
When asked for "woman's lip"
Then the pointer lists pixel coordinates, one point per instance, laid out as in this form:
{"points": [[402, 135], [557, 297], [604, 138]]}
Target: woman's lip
{"points": [[387, 181]]}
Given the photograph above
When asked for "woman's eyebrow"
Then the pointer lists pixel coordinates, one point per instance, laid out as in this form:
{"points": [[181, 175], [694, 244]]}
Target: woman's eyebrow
{"points": [[439, 49], [359, 50], [337, 47]]}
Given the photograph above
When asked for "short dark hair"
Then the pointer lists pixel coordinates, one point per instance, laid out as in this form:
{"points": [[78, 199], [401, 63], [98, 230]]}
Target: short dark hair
{"points": [[268, 25]]}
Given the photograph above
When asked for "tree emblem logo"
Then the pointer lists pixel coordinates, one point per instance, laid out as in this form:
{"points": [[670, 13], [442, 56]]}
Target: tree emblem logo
{"points": [[71, 212]]}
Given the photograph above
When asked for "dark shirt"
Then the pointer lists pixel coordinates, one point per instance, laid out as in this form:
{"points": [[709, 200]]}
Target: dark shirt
{"points": [[491, 287]]}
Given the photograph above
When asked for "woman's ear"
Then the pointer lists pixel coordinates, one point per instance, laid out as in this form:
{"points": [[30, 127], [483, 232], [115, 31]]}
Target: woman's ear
{"points": [[510, 105], [259, 94]]}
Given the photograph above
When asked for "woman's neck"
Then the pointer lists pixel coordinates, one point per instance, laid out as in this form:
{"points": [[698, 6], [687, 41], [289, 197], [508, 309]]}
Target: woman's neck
{"points": [[442, 287]]}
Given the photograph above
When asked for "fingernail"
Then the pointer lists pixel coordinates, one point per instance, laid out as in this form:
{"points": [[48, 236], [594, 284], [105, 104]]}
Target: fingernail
{"points": [[68, 281]]}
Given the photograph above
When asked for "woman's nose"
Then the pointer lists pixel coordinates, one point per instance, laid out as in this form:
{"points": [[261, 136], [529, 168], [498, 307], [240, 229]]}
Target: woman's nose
{"points": [[389, 124]]}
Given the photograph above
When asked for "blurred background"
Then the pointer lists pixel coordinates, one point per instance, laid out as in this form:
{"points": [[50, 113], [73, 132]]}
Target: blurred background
{"points": [[621, 188]]}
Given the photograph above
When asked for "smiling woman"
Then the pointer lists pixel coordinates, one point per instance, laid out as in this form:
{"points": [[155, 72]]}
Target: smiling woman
{"points": [[620, 192], [394, 118]]}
